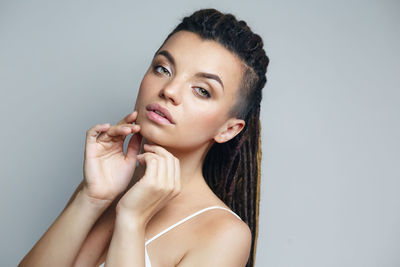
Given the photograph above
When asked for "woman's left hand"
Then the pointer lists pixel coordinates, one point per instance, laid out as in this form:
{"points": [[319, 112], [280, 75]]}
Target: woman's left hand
{"points": [[160, 183]]}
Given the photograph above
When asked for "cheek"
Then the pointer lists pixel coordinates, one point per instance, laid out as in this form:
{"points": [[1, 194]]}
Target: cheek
{"points": [[142, 98], [203, 122], [142, 90]]}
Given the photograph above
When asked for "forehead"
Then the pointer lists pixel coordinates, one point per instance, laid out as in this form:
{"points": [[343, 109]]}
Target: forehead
{"points": [[193, 54]]}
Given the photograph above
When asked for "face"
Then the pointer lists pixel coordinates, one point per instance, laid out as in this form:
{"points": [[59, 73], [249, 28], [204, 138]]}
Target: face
{"points": [[196, 81]]}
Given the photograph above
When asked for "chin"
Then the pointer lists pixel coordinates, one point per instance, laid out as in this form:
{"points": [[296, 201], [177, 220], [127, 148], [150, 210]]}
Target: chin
{"points": [[152, 132], [153, 135]]}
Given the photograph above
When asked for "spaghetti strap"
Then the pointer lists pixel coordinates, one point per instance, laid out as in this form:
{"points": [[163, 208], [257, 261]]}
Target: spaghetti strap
{"points": [[187, 218]]}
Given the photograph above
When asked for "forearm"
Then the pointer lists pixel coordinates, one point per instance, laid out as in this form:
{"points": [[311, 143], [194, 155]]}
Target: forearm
{"points": [[127, 243], [61, 243]]}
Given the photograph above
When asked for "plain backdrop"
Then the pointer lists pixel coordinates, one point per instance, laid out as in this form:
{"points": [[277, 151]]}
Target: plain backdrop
{"points": [[330, 193]]}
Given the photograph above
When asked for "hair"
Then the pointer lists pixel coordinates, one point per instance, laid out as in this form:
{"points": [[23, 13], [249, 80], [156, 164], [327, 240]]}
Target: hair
{"points": [[232, 169]]}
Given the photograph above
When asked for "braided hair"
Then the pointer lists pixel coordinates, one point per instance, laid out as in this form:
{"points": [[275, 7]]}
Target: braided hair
{"points": [[232, 169]]}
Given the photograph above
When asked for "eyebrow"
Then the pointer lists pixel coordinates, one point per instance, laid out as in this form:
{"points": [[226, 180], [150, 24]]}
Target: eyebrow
{"points": [[171, 59]]}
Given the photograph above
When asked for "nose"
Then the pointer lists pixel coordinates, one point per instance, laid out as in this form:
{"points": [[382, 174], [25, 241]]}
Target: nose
{"points": [[172, 92]]}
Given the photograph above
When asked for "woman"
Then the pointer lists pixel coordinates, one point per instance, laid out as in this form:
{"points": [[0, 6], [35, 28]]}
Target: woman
{"points": [[192, 199]]}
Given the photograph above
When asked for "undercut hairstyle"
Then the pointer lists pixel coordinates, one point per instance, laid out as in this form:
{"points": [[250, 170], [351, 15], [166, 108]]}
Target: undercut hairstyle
{"points": [[232, 169]]}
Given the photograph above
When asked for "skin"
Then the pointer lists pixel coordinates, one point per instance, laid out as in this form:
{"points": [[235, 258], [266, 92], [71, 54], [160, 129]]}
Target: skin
{"points": [[123, 204], [199, 121]]}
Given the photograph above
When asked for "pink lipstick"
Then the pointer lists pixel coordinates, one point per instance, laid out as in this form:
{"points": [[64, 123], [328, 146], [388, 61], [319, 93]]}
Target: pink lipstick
{"points": [[159, 114]]}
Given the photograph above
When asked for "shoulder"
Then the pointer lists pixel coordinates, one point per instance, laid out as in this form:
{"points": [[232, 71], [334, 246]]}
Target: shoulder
{"points": [[224, 240]]}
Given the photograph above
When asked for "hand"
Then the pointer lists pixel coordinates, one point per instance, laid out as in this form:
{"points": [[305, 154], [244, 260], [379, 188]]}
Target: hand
{"points": [[107, 171], [159, 184]]}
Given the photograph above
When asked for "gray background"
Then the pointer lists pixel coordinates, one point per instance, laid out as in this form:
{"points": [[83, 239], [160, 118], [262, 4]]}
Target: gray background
{"points": [[330, 116]]}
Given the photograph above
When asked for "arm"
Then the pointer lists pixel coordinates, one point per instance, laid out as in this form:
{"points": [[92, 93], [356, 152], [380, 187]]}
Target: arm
{"points": [[99, 236], [127, 244], [97, 240], [62, 241], [107, 173]]}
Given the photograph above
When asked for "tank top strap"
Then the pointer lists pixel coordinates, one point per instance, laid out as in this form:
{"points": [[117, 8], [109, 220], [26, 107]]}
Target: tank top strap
{"points": [[188, 218]]}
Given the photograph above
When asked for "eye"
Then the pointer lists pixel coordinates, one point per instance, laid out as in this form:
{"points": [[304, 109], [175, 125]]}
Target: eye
{"points": [[160, 69], [202, 92]]}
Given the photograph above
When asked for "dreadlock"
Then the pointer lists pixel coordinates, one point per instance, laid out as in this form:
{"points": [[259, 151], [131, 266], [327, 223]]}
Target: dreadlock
{"points": [[232, 169]]}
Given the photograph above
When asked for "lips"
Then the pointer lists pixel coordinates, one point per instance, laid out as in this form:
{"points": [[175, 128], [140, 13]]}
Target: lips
{"points": [[157, 108]]}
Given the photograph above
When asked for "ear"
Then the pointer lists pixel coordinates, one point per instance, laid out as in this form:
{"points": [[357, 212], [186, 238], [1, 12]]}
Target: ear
{"points": [[229, 130]]}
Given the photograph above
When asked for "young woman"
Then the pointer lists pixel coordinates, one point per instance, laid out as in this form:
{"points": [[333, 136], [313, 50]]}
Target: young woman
{"points": [[187, 191]]}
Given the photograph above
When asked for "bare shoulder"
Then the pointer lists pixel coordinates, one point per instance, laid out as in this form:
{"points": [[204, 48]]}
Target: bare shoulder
{"points": [[224, 240]]}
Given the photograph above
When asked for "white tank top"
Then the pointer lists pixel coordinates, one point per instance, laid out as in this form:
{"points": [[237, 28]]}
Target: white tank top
{"points": [[148, 241]]}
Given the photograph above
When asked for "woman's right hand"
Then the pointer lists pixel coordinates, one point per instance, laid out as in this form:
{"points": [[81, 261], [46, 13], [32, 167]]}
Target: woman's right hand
{"points": [[107, 171]]}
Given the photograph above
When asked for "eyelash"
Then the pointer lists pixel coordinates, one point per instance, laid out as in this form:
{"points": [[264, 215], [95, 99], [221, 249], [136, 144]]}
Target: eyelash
{"points": [[207, 94], [156, 67]]}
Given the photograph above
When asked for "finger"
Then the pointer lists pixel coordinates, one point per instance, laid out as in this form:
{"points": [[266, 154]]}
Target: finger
{"points": [[151, 169], [159, 150], [118, 131], [92, 133], [145, 157], [162, 175], [177, 174], [133, 147], [131, 117], [169, 160], [151, 166]]}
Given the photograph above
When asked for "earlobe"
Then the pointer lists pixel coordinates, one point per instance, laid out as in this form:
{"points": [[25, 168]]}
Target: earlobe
{"points": [[229, 130]]}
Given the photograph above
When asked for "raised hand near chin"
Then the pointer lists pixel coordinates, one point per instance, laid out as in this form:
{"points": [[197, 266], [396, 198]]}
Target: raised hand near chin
{"points": [[160, 183], [107, 171]]}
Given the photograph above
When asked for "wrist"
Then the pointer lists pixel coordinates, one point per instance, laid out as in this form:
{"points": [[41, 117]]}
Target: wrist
{"points": [[83, 199], [129, 219]]}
